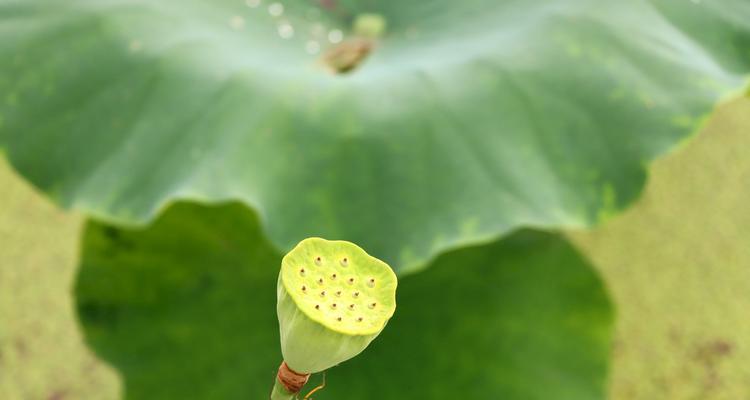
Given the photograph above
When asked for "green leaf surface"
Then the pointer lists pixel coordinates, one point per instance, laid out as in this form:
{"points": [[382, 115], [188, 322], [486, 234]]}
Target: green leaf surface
{"points": [[468, 120], [186, 309]]}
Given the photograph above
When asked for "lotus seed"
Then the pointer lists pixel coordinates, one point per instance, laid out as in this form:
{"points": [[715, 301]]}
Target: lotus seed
{"points": [[333, 306], [323, 294], [318, 260], [356, 294], [372, 305], [304, 288], [338, 293], [351, 306], [338, 319], [359, 319], [371, 282], [351, 280], [333, 276], [344, 262], [302, 272], [317, 306], [320, 280]]}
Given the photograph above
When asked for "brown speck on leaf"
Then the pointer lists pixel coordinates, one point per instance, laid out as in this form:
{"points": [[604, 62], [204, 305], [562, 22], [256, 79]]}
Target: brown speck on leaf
{"points": [[712, 351], [709, 354], [675, 336], [21, 347], [328, 4], [57, 395]]}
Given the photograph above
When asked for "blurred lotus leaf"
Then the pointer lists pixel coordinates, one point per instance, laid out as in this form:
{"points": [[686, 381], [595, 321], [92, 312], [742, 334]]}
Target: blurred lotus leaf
{"points": [[185, 309], [466, 120]]}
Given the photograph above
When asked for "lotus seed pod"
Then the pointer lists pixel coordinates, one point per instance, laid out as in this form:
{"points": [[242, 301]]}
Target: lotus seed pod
{"points": [[333, 299]]}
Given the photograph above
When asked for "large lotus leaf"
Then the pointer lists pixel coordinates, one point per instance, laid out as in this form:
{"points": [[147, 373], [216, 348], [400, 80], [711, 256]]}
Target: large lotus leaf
{"points": [[186, 310], [469, 119]]}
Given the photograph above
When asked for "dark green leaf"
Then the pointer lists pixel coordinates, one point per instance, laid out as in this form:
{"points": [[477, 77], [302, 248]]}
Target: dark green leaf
{"points": [[186, 309]]}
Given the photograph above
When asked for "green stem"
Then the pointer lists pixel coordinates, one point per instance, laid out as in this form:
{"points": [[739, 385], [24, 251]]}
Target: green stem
{"points": [[287, 380], [280, 393]]}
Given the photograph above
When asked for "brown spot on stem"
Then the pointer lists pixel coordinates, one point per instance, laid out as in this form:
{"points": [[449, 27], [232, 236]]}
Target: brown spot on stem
{"points": [[291, 380]]}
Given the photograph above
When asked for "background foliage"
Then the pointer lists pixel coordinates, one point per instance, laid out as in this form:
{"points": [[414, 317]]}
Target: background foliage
{"points": [[670, 340], [185, 309], [468, 123]]}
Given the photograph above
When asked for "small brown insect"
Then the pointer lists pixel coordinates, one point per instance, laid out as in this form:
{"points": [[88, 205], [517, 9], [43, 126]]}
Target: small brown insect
{"points": [[348, 55]]}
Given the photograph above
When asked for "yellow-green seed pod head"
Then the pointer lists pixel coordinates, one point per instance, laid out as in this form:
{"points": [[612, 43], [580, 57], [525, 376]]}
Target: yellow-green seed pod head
{"points": [[333, 299]]}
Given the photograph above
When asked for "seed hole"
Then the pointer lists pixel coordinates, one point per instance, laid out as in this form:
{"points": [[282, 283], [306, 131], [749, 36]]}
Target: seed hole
{"points": [[371, 282], [338, 293], [372, 305], [351, 306], [333, 306], [317, 306], [320, 280], [338, 319], [351, 281], [302, 271], [318, 260], [355, 294], [304, 288], [333, 276], [359, 319], [344, 262], [323, 294]]}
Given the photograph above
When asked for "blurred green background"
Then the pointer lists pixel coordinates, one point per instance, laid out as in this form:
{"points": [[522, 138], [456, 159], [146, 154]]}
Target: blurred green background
{"points": [[677, 265]]}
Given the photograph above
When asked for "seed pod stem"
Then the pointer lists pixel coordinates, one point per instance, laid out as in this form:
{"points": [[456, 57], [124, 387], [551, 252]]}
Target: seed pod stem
{"points": [[288, 383]]}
